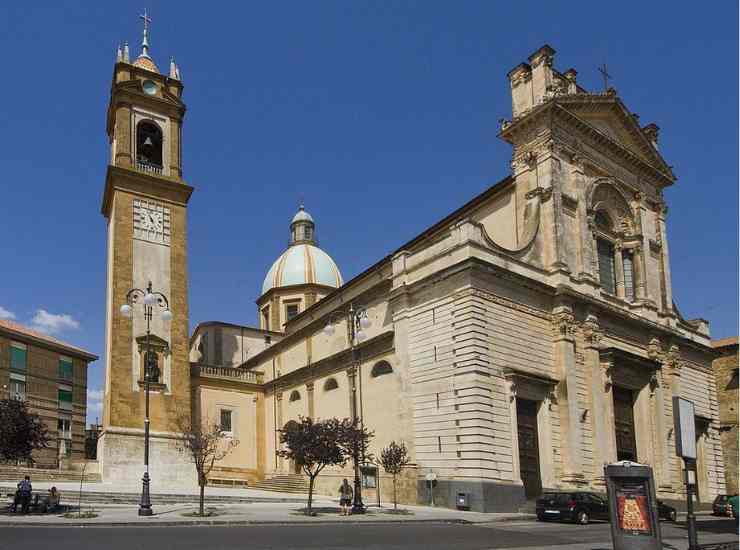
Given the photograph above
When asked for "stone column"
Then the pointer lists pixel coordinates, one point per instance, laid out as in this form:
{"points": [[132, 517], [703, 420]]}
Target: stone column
{"points": [[666, 292], [604, 439], [310, 396], [585, 222], [638, 264], [565, 357], [672, 366], [661, 400]]}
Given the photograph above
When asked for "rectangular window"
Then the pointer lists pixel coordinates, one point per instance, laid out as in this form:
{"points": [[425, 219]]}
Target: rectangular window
{"points": [[18, 389], [64, 426], [226, 421], [66, 369], [629, 276], [65, 399], [291, 310], [307, 233], [266, 318], [18, 356], [606, 265]]}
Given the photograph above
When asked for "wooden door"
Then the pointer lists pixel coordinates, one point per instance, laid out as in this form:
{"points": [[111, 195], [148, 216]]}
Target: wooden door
{"points": [[529, 451], [624, 424]]}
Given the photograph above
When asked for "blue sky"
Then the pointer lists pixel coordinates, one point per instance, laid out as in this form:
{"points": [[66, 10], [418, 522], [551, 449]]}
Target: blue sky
{"points": [[371, 112]]}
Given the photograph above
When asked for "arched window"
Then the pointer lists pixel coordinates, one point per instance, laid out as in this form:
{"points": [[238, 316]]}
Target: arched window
{"points": [[605, 250], [295, 396], [330, 384], [380, 368], [148, 145]]}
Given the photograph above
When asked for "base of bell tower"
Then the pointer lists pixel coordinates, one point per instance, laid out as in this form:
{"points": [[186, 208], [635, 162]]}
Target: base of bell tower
{"points": [[121, 459]]}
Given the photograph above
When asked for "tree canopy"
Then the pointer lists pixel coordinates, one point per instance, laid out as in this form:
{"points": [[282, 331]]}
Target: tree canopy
{"points": [[21, 431]]}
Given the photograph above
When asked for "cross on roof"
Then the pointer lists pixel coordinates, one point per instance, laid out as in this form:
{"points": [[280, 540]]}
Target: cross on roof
{"points": [[606, 76], [146, 19]]}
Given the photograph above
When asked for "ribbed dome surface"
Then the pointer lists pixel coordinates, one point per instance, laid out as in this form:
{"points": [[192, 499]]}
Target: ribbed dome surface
{"points": [[146, 63], [301, 264]]}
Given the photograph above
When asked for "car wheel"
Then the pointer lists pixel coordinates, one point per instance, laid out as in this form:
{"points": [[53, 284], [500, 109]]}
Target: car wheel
{"points": [[582, 517], [540, 517]]}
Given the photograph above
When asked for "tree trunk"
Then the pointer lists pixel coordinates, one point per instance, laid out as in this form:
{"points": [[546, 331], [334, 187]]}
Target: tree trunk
{"points": [[310, 494], [202, 490], [395, 499]]}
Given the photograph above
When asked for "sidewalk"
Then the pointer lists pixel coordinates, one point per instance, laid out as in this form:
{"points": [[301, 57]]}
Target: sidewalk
{"points": [[253, 514]]}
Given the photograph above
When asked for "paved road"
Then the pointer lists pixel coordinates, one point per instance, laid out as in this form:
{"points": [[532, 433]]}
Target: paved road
{"points": [[374, 537]]}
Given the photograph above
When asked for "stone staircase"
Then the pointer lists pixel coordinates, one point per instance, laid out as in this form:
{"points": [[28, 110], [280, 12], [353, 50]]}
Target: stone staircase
{"points": [[16, 473], [284, 483]]}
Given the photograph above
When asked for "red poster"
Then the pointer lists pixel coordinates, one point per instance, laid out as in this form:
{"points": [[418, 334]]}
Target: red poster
{"points": [[633, 515]]}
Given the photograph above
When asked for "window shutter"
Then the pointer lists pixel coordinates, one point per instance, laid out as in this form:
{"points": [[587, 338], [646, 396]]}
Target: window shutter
{"points": [[606, 265], [629, 277]]}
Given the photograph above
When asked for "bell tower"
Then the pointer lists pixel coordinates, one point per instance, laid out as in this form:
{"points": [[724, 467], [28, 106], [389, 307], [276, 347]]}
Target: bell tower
{"points": [[145, 205]]}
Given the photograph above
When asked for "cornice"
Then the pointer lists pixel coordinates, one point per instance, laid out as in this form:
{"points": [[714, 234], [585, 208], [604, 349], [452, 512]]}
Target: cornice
{"points": [[379, 345], [552, 108], [164, 188]]}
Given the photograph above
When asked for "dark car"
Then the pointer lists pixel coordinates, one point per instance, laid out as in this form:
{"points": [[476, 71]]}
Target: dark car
{"points": [[666, 512], [578, 506], [721, 506]]}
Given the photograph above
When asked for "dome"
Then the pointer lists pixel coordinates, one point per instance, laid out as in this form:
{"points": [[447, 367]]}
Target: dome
{"points": [[302, 264], [145, 62], [302, 216]]}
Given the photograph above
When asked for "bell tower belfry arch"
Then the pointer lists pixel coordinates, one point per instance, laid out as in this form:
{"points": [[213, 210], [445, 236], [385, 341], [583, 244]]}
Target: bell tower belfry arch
{"points": [[145, 205]]}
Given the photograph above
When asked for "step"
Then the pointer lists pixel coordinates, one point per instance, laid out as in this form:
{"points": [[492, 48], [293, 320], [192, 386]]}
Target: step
{"points": [[100, 497], [16, 473]]}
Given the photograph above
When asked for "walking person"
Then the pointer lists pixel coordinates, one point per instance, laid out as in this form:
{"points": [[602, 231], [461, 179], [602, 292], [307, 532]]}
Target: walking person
{"points": [[25, 489], [345, 497]]}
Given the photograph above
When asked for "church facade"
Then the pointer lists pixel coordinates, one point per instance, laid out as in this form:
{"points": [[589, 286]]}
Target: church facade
{"points": [[517, 345]]}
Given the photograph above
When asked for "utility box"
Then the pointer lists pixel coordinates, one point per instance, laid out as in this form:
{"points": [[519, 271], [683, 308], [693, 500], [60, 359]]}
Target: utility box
{"points": [[463, 501], [633, 508]]}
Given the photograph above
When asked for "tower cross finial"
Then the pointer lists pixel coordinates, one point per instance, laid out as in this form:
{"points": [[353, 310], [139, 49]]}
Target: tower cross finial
{"points": [[606, 76], [145, 41]]}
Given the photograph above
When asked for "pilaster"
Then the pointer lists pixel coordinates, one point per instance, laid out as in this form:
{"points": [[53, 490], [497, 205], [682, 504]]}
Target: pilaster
{"points": [[564, 340]]}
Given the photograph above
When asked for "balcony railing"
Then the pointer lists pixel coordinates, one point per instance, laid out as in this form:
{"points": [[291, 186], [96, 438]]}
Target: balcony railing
{"points": [[227, 373], [147, 167]]}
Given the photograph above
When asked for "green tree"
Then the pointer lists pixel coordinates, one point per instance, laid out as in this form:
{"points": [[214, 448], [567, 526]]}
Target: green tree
{"points": [[394, 459], [21, 432]]}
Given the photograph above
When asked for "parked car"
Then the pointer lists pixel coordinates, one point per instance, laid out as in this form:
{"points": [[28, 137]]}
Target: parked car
{"points": [[721, 506], [577, 506], [666, 512]]}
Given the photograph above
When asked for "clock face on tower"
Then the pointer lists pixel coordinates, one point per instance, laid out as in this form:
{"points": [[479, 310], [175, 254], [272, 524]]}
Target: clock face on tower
{"points": [[151, 222]]}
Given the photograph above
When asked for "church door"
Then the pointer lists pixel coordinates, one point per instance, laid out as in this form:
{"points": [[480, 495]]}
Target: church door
{"points": [[529, 452], [624, 424]]}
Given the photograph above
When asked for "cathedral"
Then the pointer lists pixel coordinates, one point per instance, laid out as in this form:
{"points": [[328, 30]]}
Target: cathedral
{"points": [[517, 345]]}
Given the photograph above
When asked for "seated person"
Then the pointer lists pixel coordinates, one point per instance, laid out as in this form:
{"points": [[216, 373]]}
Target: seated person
{"points": [[51, 501]]}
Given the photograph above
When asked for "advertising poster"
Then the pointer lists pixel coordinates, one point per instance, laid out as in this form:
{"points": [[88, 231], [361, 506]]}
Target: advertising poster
{"points": [[633, 515]]}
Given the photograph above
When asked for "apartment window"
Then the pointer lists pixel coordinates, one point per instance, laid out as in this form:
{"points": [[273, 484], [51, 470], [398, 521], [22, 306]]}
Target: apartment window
{"points": [[64, 426], [291, 310], [226, 421], [629, 276], [18, 389], [606, 265], [65, 399], [66, 369], [18, 356], [307, 233]]}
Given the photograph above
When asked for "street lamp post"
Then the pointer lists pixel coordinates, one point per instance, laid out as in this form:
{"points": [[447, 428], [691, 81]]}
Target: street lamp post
{"points": [[150, 299], [357, 320]]}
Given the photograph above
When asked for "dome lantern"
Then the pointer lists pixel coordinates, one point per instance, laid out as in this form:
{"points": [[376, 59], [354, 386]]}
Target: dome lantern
{"points": [[302, 228]]}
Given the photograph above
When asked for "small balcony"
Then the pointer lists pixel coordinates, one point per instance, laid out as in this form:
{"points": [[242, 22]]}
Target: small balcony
{"points": [[226, 373], [148, 167]]}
